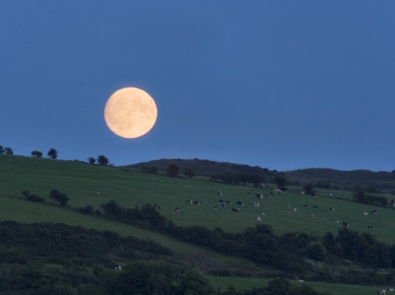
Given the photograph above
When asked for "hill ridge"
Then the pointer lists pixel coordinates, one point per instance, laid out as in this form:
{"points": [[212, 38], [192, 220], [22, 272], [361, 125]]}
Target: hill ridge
{"points": [[326, 177]]}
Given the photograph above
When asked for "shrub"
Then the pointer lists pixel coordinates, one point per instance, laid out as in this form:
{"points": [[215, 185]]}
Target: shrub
{"points": [[59, 197]]}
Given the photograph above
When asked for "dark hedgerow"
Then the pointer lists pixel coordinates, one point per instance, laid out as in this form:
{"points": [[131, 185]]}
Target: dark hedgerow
{"points": [[59, 197]]}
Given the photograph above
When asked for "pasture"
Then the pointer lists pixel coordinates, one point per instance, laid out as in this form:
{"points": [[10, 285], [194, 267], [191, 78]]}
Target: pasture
{"points": [[285, 212], [81, 181], [335, 289]]}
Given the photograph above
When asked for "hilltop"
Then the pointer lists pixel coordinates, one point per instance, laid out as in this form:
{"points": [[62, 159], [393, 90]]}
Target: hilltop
{"points": [[321, 177]]}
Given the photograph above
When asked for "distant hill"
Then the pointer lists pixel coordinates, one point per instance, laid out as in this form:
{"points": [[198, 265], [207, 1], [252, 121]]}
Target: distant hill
{"points": [[206, 167], [383, 181], [322, 177]]}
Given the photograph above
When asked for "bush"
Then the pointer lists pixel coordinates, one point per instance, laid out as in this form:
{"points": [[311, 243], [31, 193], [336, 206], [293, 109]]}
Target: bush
{"points": [[34, 198], [88, 210], [59, 197]]}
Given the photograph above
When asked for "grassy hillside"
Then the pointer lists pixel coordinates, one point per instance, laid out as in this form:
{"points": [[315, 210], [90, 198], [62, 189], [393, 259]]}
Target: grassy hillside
{"points": [[132, 188], [81, 181]]}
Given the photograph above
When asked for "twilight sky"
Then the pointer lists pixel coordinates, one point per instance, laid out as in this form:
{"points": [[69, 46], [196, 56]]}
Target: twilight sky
{"points": [[278, 84]]}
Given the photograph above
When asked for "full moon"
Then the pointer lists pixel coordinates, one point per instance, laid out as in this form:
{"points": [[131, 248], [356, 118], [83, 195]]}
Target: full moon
{"points": [[130, 112]]}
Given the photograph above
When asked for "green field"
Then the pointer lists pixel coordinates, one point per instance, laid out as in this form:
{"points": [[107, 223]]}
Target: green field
{"points": [[133, 188], [249, 283], [80, 182]]}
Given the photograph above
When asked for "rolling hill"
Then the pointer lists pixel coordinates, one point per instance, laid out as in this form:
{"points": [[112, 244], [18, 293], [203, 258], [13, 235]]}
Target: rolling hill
{"points": [[132, 188], [323, 177]]}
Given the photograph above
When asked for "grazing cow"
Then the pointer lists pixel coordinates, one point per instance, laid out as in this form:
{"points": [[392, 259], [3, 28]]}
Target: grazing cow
{"points": [[373, 212], [177, 209], [190, 202], [335, 221], [371, 226], [346, 225], [365, 213], [196, 203], [220, 193], [390, 289], [255, 204], [240, 203], [314, 206], [308, 206], [301, 281], [117, 267], [236, 209], [332, 195], [156, 205], [332, 209], [263, 213], [257, 218], [258, 196]]}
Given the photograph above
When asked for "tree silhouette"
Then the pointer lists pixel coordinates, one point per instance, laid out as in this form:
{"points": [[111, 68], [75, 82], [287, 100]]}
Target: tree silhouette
{"points": [[37, 154], [102, 160], [91, 160], [9, 151], [52, 153]]}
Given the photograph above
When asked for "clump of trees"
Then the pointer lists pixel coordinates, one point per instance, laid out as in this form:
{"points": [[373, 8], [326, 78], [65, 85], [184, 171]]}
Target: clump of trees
{"points": [[361, 196], [235, 179], [286, 252], [100, 160], [36, 154], [6, 150], [52, 153]]}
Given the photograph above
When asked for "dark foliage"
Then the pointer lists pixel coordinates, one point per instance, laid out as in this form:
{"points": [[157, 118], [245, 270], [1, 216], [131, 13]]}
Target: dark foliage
{"points": [[37, 154], [172, 170], [286, 253], [102, 160], [59, 197], [60, 243], [52, 153]]}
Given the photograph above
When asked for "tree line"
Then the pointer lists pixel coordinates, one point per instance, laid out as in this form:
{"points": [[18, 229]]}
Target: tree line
{"points": [[53, 154], [287, 252], [31, 256]]}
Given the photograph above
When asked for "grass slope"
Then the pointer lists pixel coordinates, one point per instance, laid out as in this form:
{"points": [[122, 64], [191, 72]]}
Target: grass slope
{"points": [[133, 188], [81, 181]]}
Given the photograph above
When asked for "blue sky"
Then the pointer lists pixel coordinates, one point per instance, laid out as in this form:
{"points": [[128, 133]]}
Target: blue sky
{"points": [[278, 84]]}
